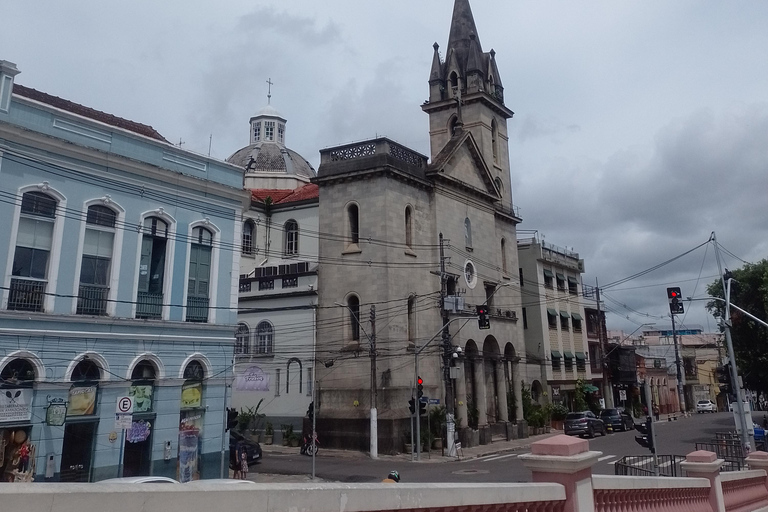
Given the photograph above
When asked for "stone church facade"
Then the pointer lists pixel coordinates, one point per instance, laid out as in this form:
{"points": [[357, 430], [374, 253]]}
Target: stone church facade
{"points": [[383, 211]]}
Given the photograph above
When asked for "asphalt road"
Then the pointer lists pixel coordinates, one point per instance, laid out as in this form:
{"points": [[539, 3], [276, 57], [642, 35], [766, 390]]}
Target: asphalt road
{"points": [[672, 437]]}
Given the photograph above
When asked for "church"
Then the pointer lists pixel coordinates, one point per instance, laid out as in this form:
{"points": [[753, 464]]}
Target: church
{"points": [[411, 246]]}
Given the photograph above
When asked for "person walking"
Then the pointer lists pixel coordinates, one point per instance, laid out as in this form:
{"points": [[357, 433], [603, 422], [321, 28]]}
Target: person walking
{"points": [[656, 411]]}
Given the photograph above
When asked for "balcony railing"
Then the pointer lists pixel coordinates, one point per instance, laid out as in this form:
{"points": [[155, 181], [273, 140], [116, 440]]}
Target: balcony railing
{"points": [[26, 295], [197, 309], [92, 300], [149, 305]]}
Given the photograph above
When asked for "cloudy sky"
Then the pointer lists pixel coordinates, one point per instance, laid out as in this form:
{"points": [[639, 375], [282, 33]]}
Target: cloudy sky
{"points": [[639, 128]]}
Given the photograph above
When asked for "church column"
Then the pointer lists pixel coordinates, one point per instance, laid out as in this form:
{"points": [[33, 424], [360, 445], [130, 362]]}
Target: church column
{"points": [[482, 411], [461, 394], [517, 386], [501, 390]]}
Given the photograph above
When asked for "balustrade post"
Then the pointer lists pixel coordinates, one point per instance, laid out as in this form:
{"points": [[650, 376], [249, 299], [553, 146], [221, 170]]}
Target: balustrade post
{"points": [[704, 464], [758, 460], [567, 461]]}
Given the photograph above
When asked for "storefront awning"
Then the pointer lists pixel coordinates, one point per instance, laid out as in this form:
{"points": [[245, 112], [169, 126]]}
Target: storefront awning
{"points": [[548, 273], [568, 354], [580, 356], [560, 276], [556, 354], [576, 316], [565, 314], [589, 388], [551, 311], [572, 280]]}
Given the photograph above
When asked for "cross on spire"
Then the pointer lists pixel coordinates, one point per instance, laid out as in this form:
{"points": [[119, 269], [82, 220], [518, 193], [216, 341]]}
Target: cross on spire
{"points": [[269, 92]]}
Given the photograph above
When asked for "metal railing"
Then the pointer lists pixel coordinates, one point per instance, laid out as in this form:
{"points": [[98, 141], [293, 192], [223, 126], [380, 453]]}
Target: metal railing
{"points": [[26, 295], [197, 309], [727, 448], [92, 300], [642, 465], [149, 305]]}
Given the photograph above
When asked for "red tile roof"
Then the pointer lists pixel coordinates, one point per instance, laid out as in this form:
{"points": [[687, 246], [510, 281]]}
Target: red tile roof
{"points": [[81, 110], [283, 196]]}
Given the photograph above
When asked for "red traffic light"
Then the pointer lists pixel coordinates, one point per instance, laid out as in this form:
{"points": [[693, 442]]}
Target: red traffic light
{"points": [[420, 381]]}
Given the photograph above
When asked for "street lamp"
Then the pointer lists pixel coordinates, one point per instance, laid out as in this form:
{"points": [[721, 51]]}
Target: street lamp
{"points": [[374, 441]]}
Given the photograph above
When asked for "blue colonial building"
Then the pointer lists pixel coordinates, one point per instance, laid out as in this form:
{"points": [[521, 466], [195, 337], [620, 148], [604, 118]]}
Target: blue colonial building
{"points": [[120, 280]]}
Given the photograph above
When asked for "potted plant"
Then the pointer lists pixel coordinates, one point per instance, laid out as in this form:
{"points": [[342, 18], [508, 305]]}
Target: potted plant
{"points": [[269, 433], [293, 438], [407, 442], [437, 424], [287, 432], [559, 412]]}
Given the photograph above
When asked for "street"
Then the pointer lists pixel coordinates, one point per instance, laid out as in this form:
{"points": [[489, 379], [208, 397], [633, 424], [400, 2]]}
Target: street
{"points": [[672, 437]]}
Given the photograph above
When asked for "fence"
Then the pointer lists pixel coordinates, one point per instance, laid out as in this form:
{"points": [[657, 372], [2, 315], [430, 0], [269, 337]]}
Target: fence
{"points": [[730, 450], [642, 465]]}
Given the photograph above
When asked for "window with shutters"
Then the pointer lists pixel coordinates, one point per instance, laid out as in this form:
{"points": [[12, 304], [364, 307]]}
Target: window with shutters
{"points": [[264, 338], [154, 241], [199, 279], [97, 260], [291, 229]]}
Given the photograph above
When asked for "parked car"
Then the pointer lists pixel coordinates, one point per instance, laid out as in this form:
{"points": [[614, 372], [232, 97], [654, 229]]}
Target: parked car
{"points": [[618, 419], [252, 448], [212, 482], [139, 480], [705, 406], [584, 423]]}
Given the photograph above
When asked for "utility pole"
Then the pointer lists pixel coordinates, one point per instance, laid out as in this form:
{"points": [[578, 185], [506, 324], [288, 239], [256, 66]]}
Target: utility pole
{"points": [[607, 388], [651, 430], [447, 352], [680, 383], [374, 390]]}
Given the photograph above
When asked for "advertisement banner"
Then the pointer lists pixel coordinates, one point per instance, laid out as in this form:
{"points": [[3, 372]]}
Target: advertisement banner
{"points": [[192, 395], [142, 398], [252, 379], [16, 404], [82, 400], [138, 432], [190, 443]]}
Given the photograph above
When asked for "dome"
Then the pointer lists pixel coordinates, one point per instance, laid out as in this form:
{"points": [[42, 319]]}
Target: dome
{"points": [[269, 110], [273, 158]]}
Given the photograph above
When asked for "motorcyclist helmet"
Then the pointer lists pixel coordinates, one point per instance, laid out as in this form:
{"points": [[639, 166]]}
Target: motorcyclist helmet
{"points": [[394, 475]]}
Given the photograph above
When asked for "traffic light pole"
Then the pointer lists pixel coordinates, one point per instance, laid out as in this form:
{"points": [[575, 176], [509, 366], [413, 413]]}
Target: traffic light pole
{"points": [[652, 429], [680, 383]]}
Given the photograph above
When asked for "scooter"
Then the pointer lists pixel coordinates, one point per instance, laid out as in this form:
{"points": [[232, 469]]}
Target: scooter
{"points": [[307, 447]]}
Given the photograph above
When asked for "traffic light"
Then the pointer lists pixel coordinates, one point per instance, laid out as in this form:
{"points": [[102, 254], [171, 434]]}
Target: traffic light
{"points": [[422, 408], [724, 378], [483, 322], [675, 297], [412, 406], [420, 387], [646, 439], [231, 418]]}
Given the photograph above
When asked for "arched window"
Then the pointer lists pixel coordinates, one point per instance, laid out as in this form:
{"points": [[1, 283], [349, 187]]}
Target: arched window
{"points": [[503, 255], [194, 370], [249, 232], [353, 304], [296, 376], [408, 227], [86, 370], [149, 302], [353, 224], [33, 250], [291, 229], [454, 81], [499, 185], [495, 140], [452, 125], [97, 260], [242, 338], [18, 372], [144, 370], [199, 275], [467, 233], [264, 338]]}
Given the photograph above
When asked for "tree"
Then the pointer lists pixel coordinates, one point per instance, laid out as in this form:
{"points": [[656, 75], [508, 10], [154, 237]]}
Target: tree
{"points": [[750, 339]]}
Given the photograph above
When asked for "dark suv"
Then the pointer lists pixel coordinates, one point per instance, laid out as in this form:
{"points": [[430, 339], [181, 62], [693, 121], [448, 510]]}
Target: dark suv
{"points": [[618, 419], [583, 423]]}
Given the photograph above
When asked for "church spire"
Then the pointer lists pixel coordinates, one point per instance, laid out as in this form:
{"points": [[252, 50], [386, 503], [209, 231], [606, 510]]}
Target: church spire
{"points": [[462, 30]]}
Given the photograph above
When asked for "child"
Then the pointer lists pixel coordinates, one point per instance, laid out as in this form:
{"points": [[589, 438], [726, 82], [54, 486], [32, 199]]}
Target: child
{"points": [[243, 464]]}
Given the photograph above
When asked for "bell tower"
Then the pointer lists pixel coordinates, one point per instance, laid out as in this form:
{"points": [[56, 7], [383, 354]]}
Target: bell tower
{"points": [[466, 93]]}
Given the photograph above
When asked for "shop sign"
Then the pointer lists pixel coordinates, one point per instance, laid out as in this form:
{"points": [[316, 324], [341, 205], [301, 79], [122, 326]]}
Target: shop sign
{"points": [[138, 432], [252, 379], [622, 394], [192, 395], [142, 398], [82, 400], [16, 404], [56, 413], [190, 431]]}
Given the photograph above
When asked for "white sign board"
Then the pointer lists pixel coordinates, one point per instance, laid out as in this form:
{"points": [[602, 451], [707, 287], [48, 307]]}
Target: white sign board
{"points": [[622, 394], [123, 421], [124, 405], [16, 404]]}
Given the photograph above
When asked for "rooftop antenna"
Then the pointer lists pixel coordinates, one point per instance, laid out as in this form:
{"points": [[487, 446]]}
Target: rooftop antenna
{"points": [[269, 92]]}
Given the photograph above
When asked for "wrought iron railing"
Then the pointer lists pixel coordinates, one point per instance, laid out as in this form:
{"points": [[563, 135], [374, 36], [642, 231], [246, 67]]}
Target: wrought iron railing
{"points": [[727, 448], [642, 465], [92, 300], [149, 305], [197, 309], [26, 295]]}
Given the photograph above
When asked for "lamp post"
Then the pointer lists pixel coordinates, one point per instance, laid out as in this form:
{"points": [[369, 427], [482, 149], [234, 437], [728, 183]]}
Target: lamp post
{"points": [[374, 441]]}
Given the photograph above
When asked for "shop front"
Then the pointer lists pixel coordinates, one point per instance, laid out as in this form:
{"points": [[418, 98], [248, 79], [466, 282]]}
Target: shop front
{"points": [[17, 452], [190, 431], [137, 458], [79, 433]]}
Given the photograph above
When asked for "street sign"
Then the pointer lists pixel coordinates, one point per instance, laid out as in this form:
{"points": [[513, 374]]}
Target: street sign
{"points": [[123, 421], [124, 405], [424, 399], [622, 394], [434, 401]]}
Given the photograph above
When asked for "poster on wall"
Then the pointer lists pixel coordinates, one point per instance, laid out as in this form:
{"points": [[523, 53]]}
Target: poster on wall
{"points": [[252, 379], [192, 395], [16, 404], [142, 398], [139, 432], [190, 444], [82, 400]]}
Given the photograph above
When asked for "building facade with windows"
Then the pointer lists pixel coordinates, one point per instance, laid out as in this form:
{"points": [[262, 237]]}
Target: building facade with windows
{"points": [[556, 343], [384, 210], [275, 337], [119, 280]]}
